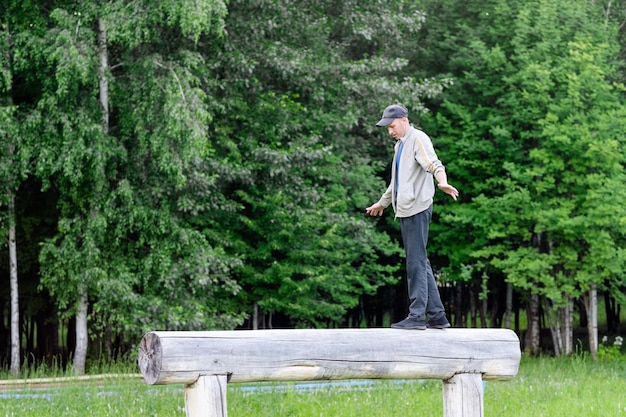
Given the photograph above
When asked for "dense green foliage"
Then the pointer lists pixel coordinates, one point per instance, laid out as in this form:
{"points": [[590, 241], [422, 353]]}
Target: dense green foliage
{"points": [[537, 116], [229, 169]]}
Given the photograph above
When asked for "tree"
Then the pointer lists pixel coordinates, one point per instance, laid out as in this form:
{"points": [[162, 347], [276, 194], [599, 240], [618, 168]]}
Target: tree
{"points": [[536, 92], [130, 131], [12, 171], [469, 42], [110, 210], [574, 93], [8, 164], [297, 120], [199, 164]]}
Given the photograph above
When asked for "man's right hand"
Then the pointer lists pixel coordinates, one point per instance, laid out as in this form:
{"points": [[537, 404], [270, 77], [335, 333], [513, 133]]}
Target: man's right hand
{"points": [[375, 209]]}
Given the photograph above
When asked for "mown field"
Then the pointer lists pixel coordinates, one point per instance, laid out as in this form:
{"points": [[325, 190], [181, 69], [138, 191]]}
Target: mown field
{"points": [[572, 387]]}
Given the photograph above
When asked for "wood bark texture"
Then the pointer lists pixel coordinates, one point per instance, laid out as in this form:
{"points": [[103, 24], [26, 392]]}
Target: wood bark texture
{"points": [[15, 308], [327, 354], [463, 396], [206, 397]]}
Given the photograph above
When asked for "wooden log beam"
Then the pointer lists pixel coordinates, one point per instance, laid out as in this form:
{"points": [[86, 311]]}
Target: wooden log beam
{"points": [[327, 354]]}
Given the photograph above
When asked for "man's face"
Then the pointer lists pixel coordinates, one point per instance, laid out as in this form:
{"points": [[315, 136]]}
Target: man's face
{"points": [[398, 127]]}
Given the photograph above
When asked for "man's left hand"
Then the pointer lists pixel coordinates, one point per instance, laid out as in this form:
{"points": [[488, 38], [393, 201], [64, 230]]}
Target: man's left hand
{"points": [[450, 190]]}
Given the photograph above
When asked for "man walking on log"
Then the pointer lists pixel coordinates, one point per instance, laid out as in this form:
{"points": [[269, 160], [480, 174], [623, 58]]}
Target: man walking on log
{"points": [[410, 193]]}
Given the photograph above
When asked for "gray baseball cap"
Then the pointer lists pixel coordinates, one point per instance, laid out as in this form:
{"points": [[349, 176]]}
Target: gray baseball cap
{"points": [[395, 111]]}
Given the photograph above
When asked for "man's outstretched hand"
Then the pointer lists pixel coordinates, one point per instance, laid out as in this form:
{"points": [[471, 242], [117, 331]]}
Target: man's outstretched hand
{"points": [[448, 189], [375, 209]]}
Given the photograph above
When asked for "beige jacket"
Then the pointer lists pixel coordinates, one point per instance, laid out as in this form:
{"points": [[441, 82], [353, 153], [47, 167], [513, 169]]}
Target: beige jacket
{"points": [[418, 164]]}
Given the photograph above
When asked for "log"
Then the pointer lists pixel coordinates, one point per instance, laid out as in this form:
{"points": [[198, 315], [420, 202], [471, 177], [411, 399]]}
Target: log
{"points": [[328, 354]]}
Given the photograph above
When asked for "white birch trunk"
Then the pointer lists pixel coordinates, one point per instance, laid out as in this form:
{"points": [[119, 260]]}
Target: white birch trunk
{"points": [[553, 323], [82, 336], [568, 327], [594, 320], [591, 308], [103, 81], [561, 323], [15, 310], [80, 353]]}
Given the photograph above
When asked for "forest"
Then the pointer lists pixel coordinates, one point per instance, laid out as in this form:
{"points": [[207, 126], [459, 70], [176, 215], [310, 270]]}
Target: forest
{"points": [[206, 164]]}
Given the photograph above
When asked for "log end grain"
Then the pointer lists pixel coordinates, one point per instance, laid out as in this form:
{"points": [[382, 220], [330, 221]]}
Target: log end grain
{"points": [[150, 358]]}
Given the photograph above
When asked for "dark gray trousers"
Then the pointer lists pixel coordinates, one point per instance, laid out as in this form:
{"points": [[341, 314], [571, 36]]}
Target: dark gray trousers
{"points": [[424, 296]]}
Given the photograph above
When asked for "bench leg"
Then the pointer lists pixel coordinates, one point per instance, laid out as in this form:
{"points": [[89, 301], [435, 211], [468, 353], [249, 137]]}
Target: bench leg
{"points": [[463, 396], [206, 397]]}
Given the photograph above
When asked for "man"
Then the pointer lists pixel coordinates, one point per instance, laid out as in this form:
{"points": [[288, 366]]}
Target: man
{"points": [[410, 193]]}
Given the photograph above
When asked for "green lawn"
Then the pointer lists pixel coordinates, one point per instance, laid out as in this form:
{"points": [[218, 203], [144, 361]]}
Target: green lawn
{"points": [[550, 387]]}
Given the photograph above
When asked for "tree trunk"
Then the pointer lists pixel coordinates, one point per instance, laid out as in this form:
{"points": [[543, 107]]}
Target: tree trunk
{"points": [[509, 306], [103, 82], [255, 317], [532, 341], [483, 312], [80, 353], [82, 337], [15, 311], [473, 308], [560, 321], [458, 305], [568, 327], [591, 308], [11, 185], [613, 310], [554, 323]]}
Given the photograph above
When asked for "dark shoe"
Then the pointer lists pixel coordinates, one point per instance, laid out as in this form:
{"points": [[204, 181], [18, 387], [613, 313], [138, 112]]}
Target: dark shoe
{"points": [[409, 324], [441, 323]]}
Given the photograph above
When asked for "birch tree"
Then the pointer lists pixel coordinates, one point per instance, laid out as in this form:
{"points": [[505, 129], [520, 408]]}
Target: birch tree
{"points": [[83, 266], [12, 172], [8, 139]]}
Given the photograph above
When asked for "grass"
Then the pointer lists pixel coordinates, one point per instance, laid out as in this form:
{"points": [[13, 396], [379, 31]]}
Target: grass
{"points": [[575, 386], [571, 387]]}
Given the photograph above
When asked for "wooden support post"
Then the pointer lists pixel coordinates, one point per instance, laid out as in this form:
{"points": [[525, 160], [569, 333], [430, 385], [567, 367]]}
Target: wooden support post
{"points": [[463, 396], [206, 397]]}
